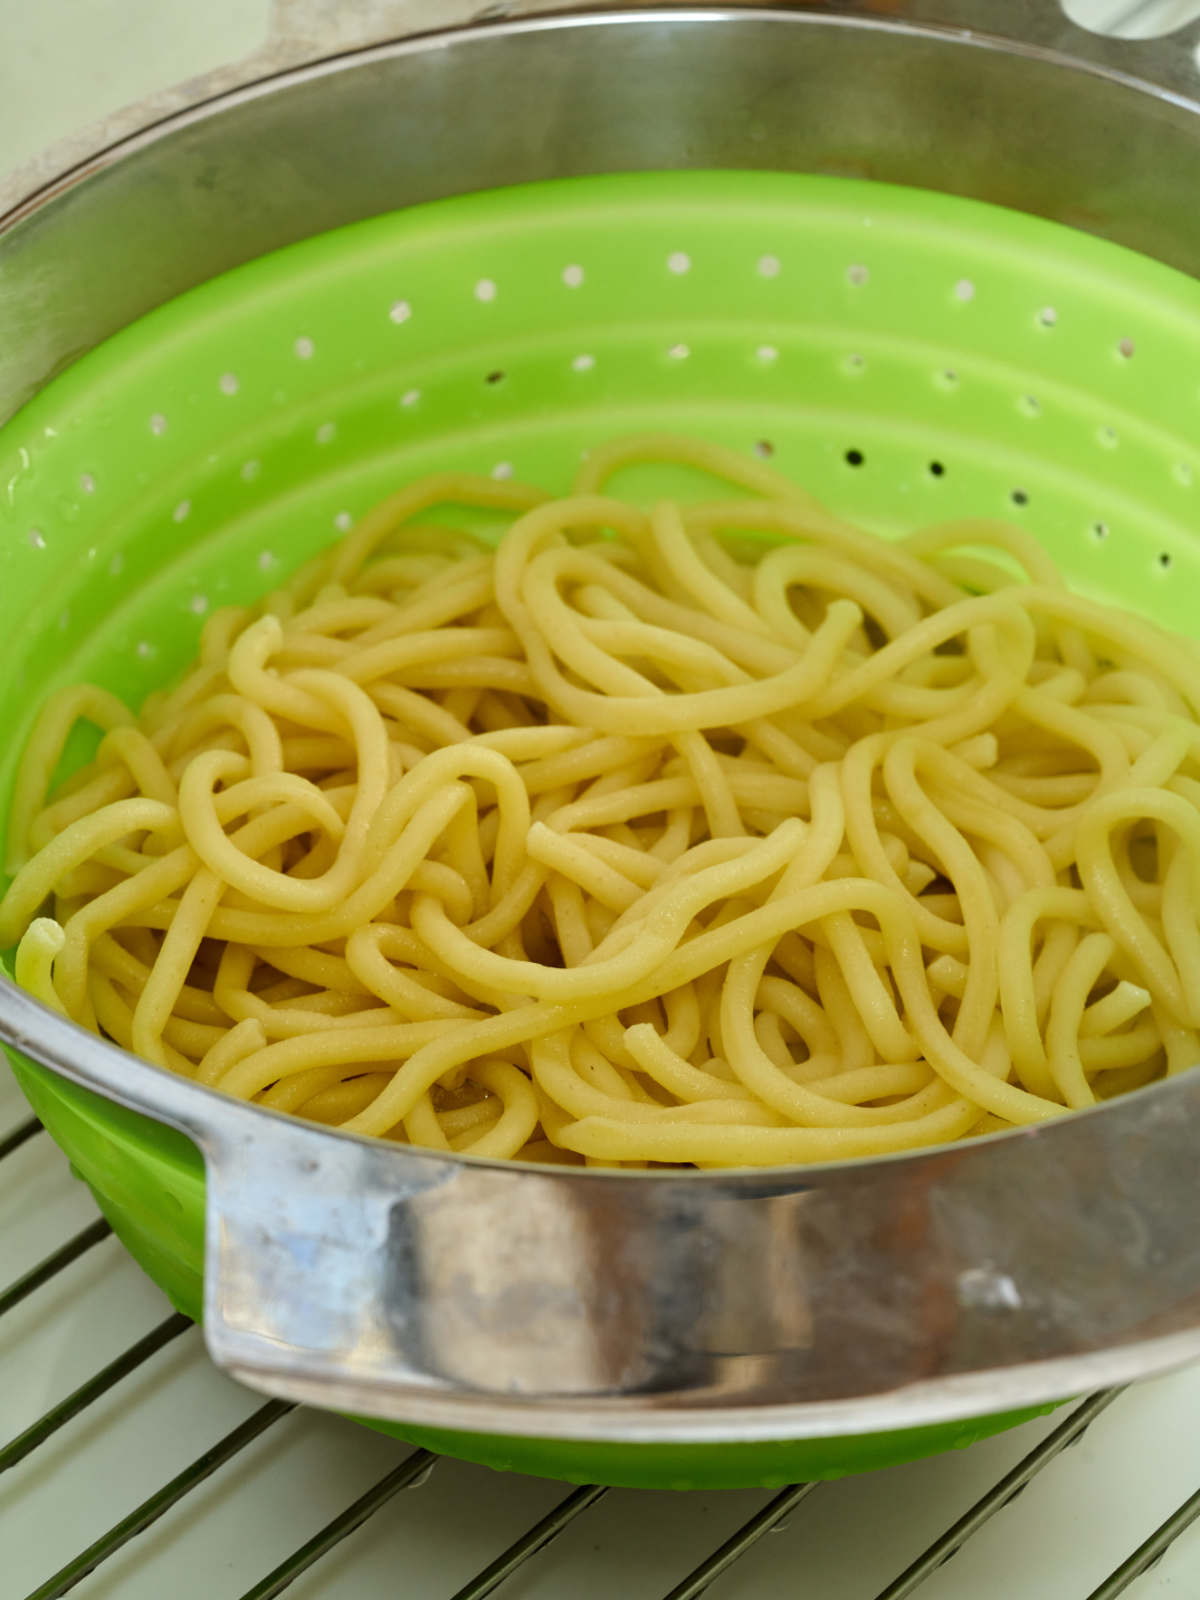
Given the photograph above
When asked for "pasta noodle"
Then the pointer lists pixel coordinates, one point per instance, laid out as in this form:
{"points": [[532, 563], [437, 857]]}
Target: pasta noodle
{"points": [[719, 833]]}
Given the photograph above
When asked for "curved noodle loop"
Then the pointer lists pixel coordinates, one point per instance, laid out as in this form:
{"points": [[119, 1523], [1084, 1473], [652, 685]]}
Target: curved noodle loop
{"points": [[720, 834]]}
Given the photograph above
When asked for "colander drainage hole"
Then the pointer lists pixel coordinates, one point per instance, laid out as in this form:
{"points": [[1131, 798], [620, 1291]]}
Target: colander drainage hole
{"points": [[1099, 530], [937, 469], [764, 449], [1019, 497], [855, 458], [494, 377], [1164, 559]]}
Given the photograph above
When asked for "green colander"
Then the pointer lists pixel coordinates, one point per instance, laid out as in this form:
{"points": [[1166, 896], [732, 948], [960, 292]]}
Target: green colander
{"points": [[906, 356]]}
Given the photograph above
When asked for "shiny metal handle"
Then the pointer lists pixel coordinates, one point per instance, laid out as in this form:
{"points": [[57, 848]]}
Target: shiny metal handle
{"points": [[430, 1290], [402, 1284]]}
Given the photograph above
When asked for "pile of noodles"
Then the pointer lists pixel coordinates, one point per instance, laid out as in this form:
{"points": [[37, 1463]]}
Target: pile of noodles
{"points": [[721, 833]]}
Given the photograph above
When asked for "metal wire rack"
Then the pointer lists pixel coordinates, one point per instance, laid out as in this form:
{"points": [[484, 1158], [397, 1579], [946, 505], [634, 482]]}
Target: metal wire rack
{"points": [[550, 1540]]}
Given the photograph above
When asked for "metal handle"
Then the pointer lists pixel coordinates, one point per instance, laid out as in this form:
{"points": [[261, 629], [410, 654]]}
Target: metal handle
{"points": [[398, 1283], [496, 1298]]}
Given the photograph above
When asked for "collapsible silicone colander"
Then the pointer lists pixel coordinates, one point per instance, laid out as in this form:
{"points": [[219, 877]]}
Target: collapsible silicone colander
{"points": [[906, 356]]}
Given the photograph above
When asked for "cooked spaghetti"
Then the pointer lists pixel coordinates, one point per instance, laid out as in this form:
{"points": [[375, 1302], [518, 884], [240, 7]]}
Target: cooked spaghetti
{"points": [[718, 834]]}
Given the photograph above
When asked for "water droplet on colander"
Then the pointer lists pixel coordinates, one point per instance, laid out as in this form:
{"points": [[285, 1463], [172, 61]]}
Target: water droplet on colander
{"points": [[572, 275]]}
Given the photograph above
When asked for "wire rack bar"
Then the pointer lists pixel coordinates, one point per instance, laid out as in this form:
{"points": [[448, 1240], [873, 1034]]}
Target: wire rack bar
{"points": [[141, 1517], [538, 1537], [53, 1264], [58, 1416], [21, 1134], [948, 1543], [415, 1466], [736, 1546], [1154, 1548]]}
